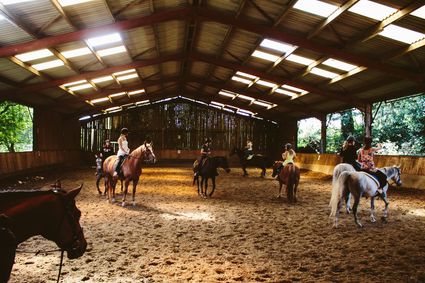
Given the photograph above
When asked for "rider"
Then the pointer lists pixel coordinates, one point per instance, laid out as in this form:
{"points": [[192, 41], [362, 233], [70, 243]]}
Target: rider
{"points": [[205, 153], [248, 152], [123, 150], [349, 153], [367, 164], [288, 156]]}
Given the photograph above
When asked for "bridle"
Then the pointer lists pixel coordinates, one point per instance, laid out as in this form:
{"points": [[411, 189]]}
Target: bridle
{"points": [[75, 242]]}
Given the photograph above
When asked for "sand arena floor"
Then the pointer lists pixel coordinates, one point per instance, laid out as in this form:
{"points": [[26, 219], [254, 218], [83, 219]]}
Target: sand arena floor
{"points": [[242, 234]]}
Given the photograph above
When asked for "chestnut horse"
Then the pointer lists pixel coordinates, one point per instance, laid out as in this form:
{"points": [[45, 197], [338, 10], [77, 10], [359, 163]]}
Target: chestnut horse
{"points": [[50, 213], [290, 176], [131, 170]]}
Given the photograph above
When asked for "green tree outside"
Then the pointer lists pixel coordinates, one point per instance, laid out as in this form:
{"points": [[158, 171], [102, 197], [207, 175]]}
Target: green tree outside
{"points": [[16, 127]]}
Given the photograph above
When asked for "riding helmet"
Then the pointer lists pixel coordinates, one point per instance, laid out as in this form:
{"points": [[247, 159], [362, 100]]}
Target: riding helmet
{"points": [[350, 138], [124, 131], [288, 146]]}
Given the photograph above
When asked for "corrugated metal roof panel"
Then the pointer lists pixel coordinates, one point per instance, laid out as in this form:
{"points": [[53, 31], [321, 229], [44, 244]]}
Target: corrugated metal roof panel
{"points": [[140, 40], [89, 14], [171, 36], [11, 34], [170, 69], [211, 37]]}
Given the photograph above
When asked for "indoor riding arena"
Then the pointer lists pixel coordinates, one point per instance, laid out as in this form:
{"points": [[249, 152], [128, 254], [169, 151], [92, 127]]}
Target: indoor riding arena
{"points": [[134, 135]]}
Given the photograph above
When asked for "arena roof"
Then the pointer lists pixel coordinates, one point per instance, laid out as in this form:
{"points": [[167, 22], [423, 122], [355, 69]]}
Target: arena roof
{"points": [[276, 58]]}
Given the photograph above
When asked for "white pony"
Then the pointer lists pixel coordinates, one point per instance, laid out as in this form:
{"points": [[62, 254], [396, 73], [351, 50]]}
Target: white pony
{"points": [[361, 184], [342, 167]]}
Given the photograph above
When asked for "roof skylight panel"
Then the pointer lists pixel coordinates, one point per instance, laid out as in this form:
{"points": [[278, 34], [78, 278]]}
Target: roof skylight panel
{"points": [[118, 94], [128, 77], [124, 72], [102, 79], [65, 3], [227, 93], [401, 34], [111, 51], [134, 92], [265, 56], [241, 80], [74, 83], [419, 12], [316, 7], [294, 88], [299, 59], [80, 87], [245, 97], [217, 103], [285, 92], [48, 65], [113, 108], [104, 39], [249, 76], [339, 65], [266, 83], [263, 103], [323, 73], [10, 2], [278, 46], [372, 10], [33, 55], [76, 52], [142, 102], [98, 100]]}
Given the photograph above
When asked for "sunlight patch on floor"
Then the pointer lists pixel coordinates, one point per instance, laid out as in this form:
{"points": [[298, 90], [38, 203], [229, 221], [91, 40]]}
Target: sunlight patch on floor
{"points": [[418, 212], [203, 216]]}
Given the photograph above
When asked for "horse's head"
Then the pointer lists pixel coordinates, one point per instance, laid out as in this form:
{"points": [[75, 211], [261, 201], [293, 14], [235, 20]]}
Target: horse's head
{"points": [[224, 164], [396, 176], [69, 235], [148, 155], [276, 166]]}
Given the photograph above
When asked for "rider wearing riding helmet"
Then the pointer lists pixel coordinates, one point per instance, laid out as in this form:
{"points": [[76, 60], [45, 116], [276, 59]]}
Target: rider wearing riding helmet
{"points": [[349, 153], [365, 157], [123, 149], [288, 156], [205, 153], [248, 152]]}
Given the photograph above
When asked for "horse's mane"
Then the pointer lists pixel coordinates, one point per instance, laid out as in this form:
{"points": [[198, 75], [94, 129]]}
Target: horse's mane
{"points": [[38, 191], [138, 151]]}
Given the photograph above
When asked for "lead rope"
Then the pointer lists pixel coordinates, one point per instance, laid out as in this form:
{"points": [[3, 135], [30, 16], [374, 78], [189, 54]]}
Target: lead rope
{"points": [[60, 265]]}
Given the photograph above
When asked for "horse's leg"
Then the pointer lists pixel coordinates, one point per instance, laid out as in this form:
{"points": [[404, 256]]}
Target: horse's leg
{"points": [[384, 198], [99, 176], [126, 182], [263, 172], [244, 171], [135, 182], [197, 182], [347, 202], [206, 187], [355, 206], [280, 189], [372, 210], [297, 181], [213, 185]]}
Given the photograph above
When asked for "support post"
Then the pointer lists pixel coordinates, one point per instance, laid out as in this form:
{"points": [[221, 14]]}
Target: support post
{"points": [[368, 119], [323, 134]]}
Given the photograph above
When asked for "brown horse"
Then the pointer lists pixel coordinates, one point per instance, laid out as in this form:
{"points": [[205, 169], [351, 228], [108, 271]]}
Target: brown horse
{"points": [[209, 170], [131, 170], [50, 213], [290, 176]]}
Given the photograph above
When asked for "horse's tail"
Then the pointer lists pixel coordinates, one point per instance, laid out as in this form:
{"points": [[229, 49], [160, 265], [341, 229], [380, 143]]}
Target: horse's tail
{"points": [[291, 182], [338, 188]]}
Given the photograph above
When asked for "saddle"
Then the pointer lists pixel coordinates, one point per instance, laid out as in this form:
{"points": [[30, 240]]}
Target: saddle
{"points": [[373, 177]]}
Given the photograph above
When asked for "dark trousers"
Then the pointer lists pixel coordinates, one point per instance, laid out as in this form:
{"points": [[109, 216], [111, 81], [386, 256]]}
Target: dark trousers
{"points": [[119, 164], [382, 178]]}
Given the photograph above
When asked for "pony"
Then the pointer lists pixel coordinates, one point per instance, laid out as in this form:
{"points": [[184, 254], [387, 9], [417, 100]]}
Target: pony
{"points": [[360, 184], [208, 170], [257, 161], [131, 170], [50, 213], [290, 176], [338, 169]]}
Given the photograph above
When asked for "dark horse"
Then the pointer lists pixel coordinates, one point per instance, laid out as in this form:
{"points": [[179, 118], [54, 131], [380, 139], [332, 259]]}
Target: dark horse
{"points": [[131, 170], [50, 213], [290, 176], [209, 170], [257, 161]]}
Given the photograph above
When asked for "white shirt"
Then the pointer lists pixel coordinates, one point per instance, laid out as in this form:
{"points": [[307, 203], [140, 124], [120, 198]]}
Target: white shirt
{"points": [[125, 150]]}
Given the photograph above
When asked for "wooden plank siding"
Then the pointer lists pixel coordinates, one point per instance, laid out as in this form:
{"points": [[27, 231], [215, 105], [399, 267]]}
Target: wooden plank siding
{"points": [[412, 167]]}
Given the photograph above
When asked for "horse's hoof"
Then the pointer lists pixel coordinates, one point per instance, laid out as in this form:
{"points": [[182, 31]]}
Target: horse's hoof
{"points": [[359, 225], [123, 204], [372, 219], [134, 203], [278, 196], [384, 219], [112, 200]]}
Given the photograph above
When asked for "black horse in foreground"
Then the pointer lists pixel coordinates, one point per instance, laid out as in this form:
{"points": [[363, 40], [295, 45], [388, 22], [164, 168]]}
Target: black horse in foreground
{"points": [[209, 170], [257, 161]]}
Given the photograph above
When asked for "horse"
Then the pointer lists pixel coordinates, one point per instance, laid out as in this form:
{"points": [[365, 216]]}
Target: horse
{"points": [[50, 213], [99, 177], [360, 184], [342, 167], [257, 161], [208, 170], [131, 170], [290, 176]]}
